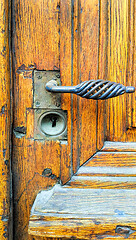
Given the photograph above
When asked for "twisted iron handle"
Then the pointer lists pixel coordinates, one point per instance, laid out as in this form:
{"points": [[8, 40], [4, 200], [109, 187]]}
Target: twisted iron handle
{"points": [[92, 89]]}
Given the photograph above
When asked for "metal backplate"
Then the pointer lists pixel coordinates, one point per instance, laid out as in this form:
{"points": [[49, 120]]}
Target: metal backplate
{"points": [[43, 98], [50, 121]]}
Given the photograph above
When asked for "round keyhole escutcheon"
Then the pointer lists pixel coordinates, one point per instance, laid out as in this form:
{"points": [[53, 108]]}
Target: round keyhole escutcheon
{"points": [[52, 123]]}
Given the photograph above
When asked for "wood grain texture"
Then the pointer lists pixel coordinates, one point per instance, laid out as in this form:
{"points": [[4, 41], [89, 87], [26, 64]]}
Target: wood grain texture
{"points": [[88, 69], [114, 159], [36, 23], [131, 120], [133, 25], [29, 158], [62, 212], [70, 36], [129, 135], [119, 147], [66, 79], [112, 167], [102, 70], [39, 41], [35, 41], [5, 130], [105, 182], [76, 81], [117, 66], [85, 67], [121, 68], [106, 171]]}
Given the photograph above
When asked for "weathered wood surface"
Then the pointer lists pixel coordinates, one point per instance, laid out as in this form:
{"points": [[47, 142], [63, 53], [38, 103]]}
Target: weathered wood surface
{"points": [[36, 23], [131, 72], [113, 159], [117, 66], [105, 182], [66, 79], [120, 113], [119, 147], [102, 70], [84, 213], [88, 69], [50, 23], [84, 40], [85, 33], [5, 130], [112, 167]]}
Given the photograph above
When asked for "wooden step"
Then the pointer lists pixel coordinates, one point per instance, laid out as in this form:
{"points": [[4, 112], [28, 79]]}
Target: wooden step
{"points": [[65, 212], [104, 177]]}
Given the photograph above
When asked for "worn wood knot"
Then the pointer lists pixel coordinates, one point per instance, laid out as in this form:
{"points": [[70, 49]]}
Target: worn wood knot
{"points": [[47, 172], [126, 230], [19, 131]]}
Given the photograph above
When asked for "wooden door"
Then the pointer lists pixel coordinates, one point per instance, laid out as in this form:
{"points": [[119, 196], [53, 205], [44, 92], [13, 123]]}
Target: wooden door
{"points": [[5, 123], [82, 40]]}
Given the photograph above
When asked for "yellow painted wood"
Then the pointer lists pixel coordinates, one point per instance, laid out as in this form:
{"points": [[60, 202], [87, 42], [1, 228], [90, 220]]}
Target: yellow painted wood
{"points": [[117, 51], [88, 69], [119, 147], [35, 24], [113, 159], [5, 130], [102, 70], [131, 114], [83, 40]]}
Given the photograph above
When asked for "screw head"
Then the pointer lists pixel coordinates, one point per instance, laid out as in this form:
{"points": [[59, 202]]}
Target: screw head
{"points": [[37, 103], [39, 77]]}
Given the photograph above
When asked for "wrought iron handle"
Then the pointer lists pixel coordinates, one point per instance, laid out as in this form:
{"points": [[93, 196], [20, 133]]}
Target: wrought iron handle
{"points": [[92, 89]]}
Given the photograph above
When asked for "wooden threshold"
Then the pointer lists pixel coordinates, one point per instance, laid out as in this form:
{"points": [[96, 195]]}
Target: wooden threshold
{"points": [[65, 212], [104, 177], [97, 203]]}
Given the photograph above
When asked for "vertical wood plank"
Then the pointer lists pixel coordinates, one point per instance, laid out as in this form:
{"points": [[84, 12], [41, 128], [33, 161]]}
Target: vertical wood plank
{"points": [[30, 158], [117, 66], [36, 40], [134, 63], [5, 217], [43, 152], [130, 70], [89, 30], [76, 81], [66, 77], [102, 74], [30, 123]]}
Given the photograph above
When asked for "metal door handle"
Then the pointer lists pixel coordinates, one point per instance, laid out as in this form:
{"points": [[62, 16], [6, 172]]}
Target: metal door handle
{"points": [[92, 89]]}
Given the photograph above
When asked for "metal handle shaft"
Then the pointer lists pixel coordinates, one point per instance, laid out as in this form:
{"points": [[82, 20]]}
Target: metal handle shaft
{"points": [[92, 89]]}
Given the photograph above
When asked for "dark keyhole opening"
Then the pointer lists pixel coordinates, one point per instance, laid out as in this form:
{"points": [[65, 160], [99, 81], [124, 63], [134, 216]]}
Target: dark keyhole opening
{"points": [[53, 120]]}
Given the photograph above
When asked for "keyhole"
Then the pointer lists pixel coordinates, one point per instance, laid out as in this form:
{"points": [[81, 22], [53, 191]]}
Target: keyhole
{"points": [[53, 120], [52, 123]]}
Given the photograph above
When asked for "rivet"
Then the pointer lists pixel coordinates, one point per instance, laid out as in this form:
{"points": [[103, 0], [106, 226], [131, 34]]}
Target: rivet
{"points": [[39, 77], [37, 103]]}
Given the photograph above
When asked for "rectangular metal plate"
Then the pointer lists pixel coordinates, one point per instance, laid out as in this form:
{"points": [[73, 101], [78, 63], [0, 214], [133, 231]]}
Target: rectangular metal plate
{"points": [[46, 102], [43, 98], [39, 134]]}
